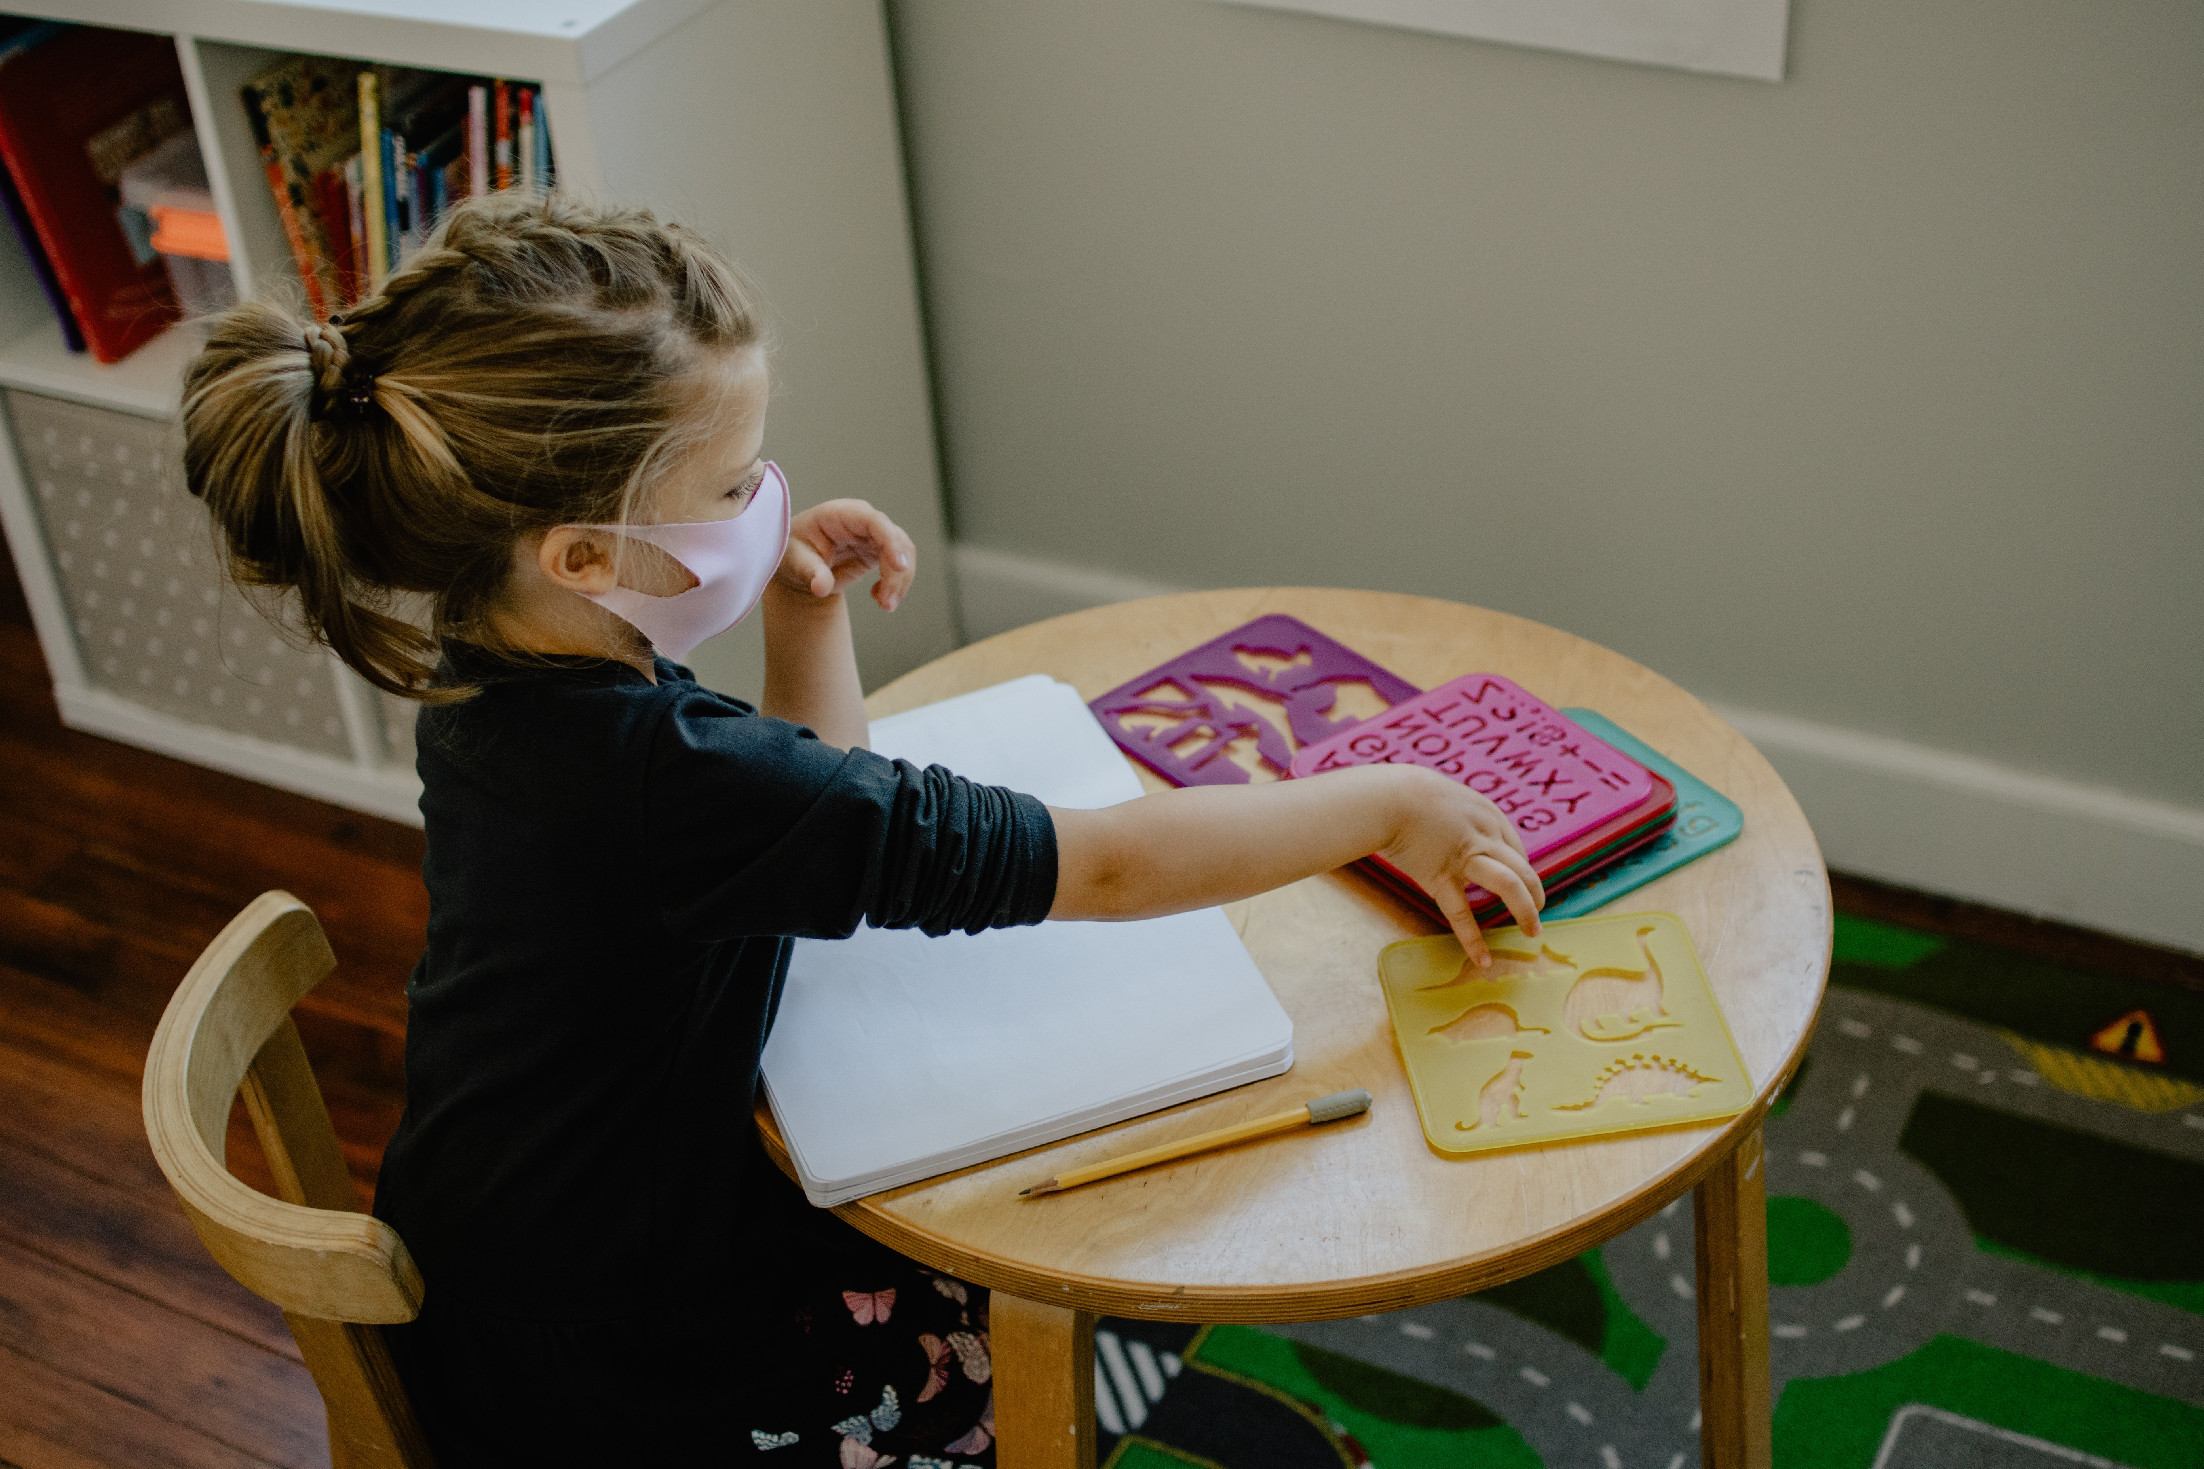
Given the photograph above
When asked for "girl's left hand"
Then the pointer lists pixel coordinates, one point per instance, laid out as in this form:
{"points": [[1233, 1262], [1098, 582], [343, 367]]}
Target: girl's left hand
{"points": [[836, 543]]}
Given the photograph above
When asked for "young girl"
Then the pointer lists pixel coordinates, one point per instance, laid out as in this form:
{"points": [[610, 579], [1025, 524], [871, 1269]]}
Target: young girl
{"points": [[543, 439]]}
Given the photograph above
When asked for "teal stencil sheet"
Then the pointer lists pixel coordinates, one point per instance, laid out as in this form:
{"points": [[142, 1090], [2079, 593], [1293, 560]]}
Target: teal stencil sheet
{"points": [[1705, 819]]}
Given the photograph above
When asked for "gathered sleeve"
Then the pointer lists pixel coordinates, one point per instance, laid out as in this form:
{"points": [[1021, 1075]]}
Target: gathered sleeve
{"points": [[753, 826]]}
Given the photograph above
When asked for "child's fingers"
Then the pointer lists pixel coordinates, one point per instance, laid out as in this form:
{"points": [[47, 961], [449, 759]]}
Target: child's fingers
{"points": [[1496, 876], [1455, 906], [1513, 859], [898, 566], [803, 566]]}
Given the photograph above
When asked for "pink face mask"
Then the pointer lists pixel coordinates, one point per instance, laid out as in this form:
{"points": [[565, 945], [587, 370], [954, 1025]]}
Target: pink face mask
{"points": [[733, 561]]}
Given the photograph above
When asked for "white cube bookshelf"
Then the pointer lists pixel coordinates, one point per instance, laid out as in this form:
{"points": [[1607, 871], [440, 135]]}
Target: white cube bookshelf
{"points": [[769, 127]]}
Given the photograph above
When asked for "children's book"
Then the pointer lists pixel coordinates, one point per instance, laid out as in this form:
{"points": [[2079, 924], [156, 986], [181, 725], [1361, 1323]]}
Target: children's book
{"points": [[896, 1056], [304, 113], [1705, 819], [1598, 1025], [76, 109]]}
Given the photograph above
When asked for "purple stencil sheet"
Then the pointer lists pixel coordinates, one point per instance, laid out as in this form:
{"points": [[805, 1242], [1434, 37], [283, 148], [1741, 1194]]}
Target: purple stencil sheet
{"points": [[1279, 657]]}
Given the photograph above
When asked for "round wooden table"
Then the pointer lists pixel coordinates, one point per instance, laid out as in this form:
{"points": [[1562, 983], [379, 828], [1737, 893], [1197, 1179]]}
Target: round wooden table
{"points": [[1363, 1216]]}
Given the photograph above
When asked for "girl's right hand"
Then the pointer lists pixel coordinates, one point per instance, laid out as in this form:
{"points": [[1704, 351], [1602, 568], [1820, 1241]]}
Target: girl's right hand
{"points": [[1453, 839]]}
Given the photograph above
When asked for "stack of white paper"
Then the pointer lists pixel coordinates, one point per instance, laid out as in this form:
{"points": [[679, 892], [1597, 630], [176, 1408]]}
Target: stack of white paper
{"points": [[897, 1056]]}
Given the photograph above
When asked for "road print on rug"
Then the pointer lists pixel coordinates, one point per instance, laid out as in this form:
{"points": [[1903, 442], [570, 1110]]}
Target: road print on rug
{"points": [[1985, 1244]]}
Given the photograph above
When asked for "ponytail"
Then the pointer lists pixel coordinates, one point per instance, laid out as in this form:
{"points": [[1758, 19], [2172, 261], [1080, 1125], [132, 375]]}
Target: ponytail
{"points": [[525, 371]]}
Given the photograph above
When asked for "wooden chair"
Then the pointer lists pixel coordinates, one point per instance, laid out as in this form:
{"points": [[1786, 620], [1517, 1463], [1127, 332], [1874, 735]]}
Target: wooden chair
{"points": [[335, 1271]]}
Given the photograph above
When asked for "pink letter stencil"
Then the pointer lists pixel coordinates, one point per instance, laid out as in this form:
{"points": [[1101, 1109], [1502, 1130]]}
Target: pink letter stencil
{"points": [[1554, 780]]}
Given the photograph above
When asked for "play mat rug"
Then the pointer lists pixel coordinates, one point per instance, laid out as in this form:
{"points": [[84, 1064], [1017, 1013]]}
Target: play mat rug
{"points": [[1985, 1237]]}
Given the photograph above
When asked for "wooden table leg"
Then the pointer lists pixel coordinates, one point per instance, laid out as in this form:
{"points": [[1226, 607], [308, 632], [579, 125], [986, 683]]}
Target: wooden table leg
{"points": [[1730, 1210], [1044, 1384]]}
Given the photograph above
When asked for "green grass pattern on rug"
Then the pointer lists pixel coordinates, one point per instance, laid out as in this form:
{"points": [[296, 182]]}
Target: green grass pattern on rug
{"points": [[1841, 1420]]}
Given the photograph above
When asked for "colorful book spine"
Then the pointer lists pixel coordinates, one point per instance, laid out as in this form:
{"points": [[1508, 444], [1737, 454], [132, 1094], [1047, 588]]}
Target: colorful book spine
{"points": [[355, 197], [478, 141], [527, 149], [543, 144], [502, 98], [371, 180], [393, 228]]}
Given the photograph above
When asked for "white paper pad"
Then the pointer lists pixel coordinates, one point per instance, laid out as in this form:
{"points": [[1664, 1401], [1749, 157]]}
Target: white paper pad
{"points": [[897, 1056]]}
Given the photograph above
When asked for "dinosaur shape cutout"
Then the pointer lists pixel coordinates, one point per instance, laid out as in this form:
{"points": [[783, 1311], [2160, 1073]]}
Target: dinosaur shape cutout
{"points": [[1489, 1021], [1506, 962], [1619, 1004], [1639, 1077], [1502, 1097]]}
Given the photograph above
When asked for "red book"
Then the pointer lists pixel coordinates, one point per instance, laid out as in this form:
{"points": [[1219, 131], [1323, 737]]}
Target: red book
{"points": [[502, 106], [74, 113]]}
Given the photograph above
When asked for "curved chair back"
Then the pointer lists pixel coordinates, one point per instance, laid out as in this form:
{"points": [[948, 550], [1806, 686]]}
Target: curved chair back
{"points": [[335, 1271]]}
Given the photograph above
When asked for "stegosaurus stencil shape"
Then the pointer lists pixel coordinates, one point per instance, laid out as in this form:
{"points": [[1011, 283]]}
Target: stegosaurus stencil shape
{"points": [[1536, 1046], [1638, 1077]]}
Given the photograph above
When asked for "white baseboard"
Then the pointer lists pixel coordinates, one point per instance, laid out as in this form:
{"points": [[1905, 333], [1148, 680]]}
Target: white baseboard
{"points": [[1883, 808], [387, 791]]}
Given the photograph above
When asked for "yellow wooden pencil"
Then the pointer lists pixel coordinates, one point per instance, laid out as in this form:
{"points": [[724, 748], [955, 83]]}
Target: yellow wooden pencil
{"points": [[1323, 1109]]}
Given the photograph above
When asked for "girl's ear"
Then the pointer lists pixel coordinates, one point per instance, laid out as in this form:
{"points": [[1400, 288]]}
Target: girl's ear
{"points": [[577, 559]]}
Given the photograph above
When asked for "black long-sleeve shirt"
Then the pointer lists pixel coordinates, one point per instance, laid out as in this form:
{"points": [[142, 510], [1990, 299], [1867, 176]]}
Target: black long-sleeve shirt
{"points": [[615, 871]]}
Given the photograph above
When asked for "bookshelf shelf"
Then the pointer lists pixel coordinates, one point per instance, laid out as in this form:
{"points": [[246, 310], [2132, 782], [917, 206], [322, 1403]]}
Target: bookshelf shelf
{"points": [[147, 382], [720, 113]]}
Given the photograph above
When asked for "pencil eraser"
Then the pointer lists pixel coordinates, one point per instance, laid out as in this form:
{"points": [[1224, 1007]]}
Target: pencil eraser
{"points": [[1339, 1104]]}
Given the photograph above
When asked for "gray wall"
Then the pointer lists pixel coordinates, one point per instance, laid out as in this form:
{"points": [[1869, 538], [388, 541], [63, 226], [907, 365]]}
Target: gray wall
{"points": [[1875, 397]]}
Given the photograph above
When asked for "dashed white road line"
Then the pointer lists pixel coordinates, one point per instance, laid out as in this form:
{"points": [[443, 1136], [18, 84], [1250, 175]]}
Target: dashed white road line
{"points": [[1851, 1323], [1859, 1086], [1981, 1298], [1913, 1257], [1906, 1043], [1844, 1120], [2112, 1333], [1859, 1030], [2192, 1119], [1479, 1350], [1903, 1215], [2024, 1078], [1417, 1330], [1790, 1331], [2048, 1318], [1660, 1245], [1681, 1286], [1964, 1062], [1893, 1296], [1609, 1457], [1867, 1180], [1533, 1376], [1813, 1159], [1580, 1413], [2179, 1354]]}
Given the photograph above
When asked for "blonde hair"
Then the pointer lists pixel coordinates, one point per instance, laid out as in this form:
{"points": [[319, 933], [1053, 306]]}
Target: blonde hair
{"points": [[529, 368]]}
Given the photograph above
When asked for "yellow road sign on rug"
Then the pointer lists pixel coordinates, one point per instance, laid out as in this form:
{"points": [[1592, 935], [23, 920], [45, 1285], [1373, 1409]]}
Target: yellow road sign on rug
{"points": [[2131, 1036], [1598, 1025]]}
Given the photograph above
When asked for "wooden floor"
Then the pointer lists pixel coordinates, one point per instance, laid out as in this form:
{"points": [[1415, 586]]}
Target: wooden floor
{"points": [[121, 1342]]}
